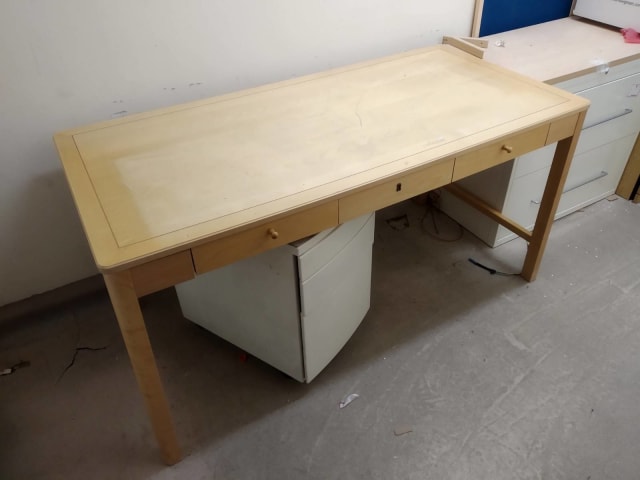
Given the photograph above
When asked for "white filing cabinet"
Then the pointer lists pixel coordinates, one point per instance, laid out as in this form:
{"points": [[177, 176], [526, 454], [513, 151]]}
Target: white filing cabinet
{"points": [[293, 307], [609, 133]]}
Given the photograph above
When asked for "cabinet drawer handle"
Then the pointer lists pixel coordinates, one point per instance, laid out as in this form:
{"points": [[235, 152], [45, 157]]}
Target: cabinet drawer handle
{"points": [[507, 148], [627, 111], [273, 233], [581, 184]]}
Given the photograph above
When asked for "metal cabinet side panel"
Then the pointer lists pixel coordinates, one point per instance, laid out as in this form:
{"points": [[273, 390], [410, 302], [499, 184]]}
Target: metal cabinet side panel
{"points": [[253, 304], [335, 300]]}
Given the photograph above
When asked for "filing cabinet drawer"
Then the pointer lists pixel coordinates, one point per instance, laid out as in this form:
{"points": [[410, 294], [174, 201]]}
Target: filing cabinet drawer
{"points": [[533, 161], [499, 152], [264, 237], [603, 74], [614, 112], [589, 140], [607, 160], [396, 190], [593, 175]]}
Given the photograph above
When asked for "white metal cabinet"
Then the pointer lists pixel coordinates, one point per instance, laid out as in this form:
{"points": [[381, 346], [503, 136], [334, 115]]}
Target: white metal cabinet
{"points": [[609, 132], [335, 299], [293, 307]]}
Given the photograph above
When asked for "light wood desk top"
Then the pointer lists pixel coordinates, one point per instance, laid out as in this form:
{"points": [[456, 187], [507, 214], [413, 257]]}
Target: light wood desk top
{"points": [[559, 50], [172, 193]]}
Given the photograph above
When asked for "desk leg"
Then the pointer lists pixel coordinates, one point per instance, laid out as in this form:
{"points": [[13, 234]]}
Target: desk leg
{"points": [[549, 204], [127, 309]]}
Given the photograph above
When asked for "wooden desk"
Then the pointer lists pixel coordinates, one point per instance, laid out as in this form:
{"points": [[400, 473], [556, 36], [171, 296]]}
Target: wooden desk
{"points": [[169, 194]]}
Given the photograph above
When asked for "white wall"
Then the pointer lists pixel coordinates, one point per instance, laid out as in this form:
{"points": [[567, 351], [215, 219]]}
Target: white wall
{"points": [[69, 62]]}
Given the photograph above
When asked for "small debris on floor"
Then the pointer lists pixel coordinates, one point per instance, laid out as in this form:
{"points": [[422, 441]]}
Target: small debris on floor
{"points": [[348, 399], [402, 429], [613, 198], [399, 223], [13, 368]]}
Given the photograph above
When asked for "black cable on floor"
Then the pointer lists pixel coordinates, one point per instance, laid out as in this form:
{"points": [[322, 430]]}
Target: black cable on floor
{"points": [[492, 271]]}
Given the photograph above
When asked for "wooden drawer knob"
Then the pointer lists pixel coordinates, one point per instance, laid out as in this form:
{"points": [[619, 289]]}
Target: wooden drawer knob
{"points": [[507, 148], [273, 233]]}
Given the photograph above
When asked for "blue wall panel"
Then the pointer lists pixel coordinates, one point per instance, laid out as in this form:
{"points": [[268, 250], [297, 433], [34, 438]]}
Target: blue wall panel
{"points": [[502, 15]]}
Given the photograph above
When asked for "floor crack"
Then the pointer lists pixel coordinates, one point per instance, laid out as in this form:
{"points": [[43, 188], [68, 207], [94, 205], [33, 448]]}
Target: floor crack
{"points": [[75, 355]]}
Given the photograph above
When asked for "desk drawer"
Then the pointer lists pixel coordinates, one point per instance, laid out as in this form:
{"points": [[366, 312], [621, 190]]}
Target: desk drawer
{"points": [[499, 152], [162, 273], [264, 237], [396, 190]]}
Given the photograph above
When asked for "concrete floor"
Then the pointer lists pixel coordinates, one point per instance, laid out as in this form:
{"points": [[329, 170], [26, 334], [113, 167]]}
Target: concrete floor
{"points": [[495, 378]]}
